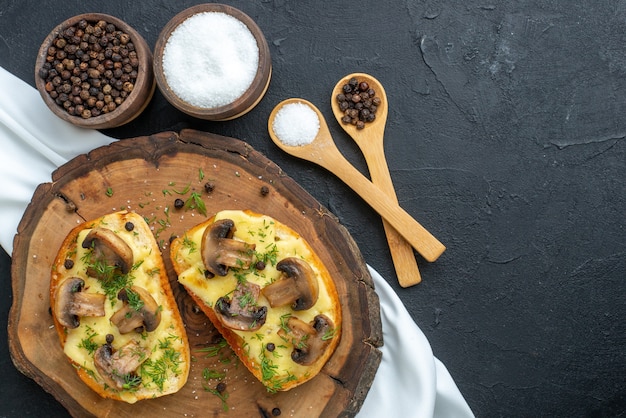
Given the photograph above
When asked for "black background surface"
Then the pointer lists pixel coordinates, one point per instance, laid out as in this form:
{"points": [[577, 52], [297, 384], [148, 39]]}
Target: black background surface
{"points": [[505, 139]]}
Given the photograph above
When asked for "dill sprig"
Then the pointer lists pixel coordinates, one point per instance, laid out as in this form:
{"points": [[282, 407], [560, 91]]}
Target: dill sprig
{"points": [[159, 370], [223, 396], [88, 343]]}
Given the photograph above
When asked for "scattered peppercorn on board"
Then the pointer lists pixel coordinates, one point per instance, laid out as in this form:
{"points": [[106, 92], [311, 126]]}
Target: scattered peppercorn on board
{"points": [[175, 181]]}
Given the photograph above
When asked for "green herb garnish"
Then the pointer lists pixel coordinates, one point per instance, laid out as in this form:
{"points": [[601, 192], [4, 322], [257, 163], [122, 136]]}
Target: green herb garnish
{"points": [[134, 300], [212, 374], [214, 350], [195, 202], [88, 343], [223, 396], [189, 244], [158, 370]]}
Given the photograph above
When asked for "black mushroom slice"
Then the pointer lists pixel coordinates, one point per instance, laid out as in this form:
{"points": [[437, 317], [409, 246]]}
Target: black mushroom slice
{"points": [[118, 367], [309, 340], [139, 312], [241, 312], [71, 302], [220, 251], [297, 285], [110, 250]]}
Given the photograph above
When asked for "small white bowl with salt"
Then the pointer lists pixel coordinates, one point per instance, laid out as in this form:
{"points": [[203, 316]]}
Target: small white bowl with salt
{"points": [[212, 61]]}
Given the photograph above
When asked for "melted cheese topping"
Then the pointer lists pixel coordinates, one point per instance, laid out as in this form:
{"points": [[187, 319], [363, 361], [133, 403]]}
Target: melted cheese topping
{"points": [[277, 367], [166, 344]]}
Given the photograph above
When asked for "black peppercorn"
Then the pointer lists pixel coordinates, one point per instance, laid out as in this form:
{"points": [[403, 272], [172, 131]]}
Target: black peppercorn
{"points": [[84, 52], [221, 387], [260, 265], [270, 347], [264, 190], [209, 187], [129, 226], [179, 203], [276, 412], [358, 102], [69, 263]]}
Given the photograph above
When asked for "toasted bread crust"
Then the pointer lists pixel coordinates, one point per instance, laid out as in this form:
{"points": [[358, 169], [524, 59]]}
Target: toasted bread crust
{"points": [[155, 279], [184, 263]]}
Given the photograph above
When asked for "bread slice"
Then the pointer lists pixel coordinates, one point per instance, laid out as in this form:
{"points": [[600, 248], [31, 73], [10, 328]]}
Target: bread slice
{"points": [[282, 329], [114, 310]]}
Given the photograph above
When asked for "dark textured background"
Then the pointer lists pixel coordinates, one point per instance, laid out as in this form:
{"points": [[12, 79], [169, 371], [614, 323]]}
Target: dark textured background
{"points": [[505, 139]]}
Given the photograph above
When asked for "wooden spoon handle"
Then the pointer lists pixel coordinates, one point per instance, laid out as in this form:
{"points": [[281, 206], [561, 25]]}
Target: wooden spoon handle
{"points": [[404, 261], [412, 231]]}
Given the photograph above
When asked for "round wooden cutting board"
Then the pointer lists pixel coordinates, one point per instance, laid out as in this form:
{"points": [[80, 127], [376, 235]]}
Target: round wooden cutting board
{"points": [[146, 175]]}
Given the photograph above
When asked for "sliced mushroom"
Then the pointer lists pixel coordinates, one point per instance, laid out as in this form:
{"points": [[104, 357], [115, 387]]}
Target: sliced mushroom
{"points": [[309, 340], [142, 313], [220, 251], [110, 250], [242, 312], [70, 302], [118, 367], [297, 285]]}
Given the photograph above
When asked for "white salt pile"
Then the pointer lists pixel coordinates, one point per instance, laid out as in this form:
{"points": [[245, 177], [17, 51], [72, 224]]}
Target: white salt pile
{"points": [[296, 124], [210, 59]]}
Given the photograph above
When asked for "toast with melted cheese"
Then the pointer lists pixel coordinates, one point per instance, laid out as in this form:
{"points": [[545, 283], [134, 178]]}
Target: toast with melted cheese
{"points": [[114, 310], [265, 290]]}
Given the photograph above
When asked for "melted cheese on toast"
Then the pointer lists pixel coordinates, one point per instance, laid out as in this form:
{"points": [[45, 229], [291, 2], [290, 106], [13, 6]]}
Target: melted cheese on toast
{"points": [[266, 351], [165, 357]]}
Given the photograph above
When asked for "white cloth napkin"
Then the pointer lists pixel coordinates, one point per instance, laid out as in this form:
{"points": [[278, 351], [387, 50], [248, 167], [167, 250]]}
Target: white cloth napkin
{"points": [[410, 380]]}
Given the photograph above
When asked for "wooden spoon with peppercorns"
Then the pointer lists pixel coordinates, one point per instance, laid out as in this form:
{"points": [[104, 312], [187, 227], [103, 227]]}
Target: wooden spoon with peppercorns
{"points": [[323, 151], [360, 105]]}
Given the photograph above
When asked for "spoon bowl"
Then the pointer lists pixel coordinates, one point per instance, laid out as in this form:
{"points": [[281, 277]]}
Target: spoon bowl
{"points": [[323, 151], [374, 129], [316, 151], [370, 140]]}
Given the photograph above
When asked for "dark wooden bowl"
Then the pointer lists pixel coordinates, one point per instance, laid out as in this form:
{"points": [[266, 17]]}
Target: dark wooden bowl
{"points": [[249, 99], [138, 98]]}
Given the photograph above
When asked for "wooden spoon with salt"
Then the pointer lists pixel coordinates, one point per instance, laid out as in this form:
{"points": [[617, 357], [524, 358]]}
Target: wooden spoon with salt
{"points": [[323, 151], [370, 140]]}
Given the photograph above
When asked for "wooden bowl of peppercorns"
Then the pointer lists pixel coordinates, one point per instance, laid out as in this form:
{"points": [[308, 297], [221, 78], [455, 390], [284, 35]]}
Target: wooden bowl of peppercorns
{"points": [[95, 71]]}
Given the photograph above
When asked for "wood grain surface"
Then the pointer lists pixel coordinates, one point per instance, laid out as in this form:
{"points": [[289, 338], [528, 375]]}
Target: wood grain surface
{"points": [[146, 175]]}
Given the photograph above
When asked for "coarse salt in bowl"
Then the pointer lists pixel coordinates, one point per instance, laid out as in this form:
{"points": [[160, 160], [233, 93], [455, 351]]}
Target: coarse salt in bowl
{"points": [[212, 62]]}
